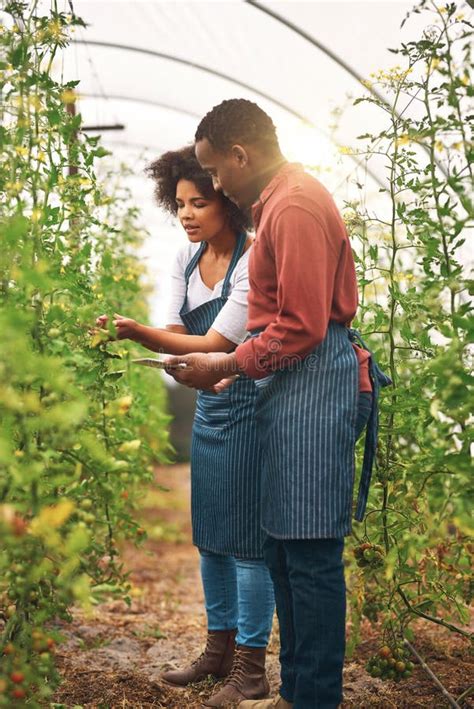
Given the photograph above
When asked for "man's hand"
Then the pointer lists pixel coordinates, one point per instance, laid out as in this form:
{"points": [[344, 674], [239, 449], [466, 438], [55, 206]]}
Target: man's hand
{"points": [[203, 371], [224, 384]]}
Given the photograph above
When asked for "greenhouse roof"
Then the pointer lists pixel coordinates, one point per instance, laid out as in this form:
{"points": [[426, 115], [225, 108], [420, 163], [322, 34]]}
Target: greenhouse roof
{"points": [[157, 67]]}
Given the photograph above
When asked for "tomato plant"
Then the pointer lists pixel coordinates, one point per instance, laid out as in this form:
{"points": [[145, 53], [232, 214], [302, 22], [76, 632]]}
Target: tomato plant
{"points": [[81, 428], [414, 549]]}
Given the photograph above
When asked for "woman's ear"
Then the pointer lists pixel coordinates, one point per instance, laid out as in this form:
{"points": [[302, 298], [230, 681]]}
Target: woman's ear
{"points": [[240, 155]]}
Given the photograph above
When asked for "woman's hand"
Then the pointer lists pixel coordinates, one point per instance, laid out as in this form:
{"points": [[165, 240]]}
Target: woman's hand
{"points": [[127, 329], [102, 321], [100, 327]]}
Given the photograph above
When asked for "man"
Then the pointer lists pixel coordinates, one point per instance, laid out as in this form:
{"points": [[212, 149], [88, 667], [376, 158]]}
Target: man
{"points": [[302, 296]]}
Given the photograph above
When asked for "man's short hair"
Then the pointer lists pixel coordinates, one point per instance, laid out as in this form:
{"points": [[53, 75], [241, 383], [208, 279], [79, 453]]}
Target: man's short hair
{"points": [[238, 121]]}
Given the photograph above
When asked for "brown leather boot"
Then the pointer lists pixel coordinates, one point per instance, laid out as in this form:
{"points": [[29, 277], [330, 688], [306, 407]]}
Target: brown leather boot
{"points": [[216, 660], [247, 679]]}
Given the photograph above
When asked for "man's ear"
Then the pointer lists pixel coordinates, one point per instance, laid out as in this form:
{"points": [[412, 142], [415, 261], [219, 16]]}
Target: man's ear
{"points": [[240, 155]]}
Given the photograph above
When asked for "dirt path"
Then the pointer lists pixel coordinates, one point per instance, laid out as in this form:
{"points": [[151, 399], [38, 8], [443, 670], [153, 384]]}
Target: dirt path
{"points": [[113, 658]]}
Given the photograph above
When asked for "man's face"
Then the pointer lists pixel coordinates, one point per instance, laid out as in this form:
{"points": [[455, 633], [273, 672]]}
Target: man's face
{"points": [[230, 172]]}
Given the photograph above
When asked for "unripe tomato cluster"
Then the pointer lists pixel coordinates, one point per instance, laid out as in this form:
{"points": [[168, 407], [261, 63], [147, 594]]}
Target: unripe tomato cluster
{"points": [[369, 555], [390, 664], [371, 608], [84, 512], [21, 588]]}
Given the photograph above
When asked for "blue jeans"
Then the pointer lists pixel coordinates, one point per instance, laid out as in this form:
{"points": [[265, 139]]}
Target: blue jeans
{"points": [[310, 593], [238, 594]]}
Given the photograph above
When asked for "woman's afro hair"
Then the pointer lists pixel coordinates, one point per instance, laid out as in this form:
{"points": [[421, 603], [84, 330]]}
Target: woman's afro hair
{"points": [[176, 165]]}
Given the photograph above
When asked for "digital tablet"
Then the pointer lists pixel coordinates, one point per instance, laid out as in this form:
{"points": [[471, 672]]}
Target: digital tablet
{"points": [[158, 363]]}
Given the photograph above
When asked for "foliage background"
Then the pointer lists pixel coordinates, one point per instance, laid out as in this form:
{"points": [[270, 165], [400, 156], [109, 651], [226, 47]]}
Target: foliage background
{"points": [[416, 313], [81, 427]]}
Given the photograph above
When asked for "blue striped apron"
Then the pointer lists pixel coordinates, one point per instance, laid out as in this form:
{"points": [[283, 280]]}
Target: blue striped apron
{"points": [[226, 459], [306, 416]]}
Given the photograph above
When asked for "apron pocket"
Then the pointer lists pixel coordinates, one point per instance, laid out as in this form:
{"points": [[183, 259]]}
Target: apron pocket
{"points": [[212, 410]]}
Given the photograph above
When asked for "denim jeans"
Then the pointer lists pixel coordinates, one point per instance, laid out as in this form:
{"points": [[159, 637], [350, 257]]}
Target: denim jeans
{"points": [[310, 593], [238, 594]]}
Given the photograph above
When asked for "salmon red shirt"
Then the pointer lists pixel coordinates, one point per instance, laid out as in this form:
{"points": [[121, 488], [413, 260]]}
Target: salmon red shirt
{"points": [[301, 274]]}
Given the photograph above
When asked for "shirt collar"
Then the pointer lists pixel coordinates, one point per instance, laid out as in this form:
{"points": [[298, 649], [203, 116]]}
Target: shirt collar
{"points": [[286, 169]]}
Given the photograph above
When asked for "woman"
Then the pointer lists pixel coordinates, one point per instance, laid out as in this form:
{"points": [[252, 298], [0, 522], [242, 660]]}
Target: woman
{"points": [[208, 314]]}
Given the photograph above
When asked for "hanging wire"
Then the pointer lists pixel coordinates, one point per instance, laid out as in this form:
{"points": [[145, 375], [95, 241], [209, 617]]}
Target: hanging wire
{"points": [[147, 102]]}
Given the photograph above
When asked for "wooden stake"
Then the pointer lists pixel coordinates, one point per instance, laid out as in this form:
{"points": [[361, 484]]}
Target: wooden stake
{"points": [[432, 676]]}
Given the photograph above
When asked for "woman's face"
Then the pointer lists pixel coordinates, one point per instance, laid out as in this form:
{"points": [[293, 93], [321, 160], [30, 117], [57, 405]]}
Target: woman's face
{"points": [[202, 218]]}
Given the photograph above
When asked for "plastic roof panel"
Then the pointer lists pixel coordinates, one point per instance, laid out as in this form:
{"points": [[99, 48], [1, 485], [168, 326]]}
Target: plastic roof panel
{"points": [[160, 100]]}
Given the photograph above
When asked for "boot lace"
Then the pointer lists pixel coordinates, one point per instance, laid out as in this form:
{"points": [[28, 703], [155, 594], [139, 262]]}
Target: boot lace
{"points": [[199, 659], [237, 674]]}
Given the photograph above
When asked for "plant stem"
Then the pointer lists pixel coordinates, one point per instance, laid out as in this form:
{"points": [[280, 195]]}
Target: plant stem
{"points": [[431, 618]]}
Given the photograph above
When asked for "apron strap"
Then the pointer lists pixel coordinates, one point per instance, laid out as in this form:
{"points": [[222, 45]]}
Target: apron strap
{"points": [[238, 251], [188, 271], [194, 262], [379, 380]]}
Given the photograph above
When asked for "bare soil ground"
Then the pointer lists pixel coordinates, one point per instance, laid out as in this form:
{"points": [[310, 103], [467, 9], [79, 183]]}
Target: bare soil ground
{"points": [[113, 657]]}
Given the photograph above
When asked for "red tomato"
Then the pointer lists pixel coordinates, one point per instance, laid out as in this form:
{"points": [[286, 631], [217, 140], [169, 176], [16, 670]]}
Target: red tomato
{"points": [[18, 693], [17, 677]]}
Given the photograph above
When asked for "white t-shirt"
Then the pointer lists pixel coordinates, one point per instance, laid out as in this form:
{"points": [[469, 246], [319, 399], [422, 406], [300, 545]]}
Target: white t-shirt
{"points": [[231, 322]]}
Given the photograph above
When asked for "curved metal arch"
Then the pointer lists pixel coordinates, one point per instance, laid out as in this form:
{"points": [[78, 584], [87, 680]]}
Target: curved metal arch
{"points": [[146, 101], [134, 146], [214, 72], [316, 43], [193, 65], [335, 57]]}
